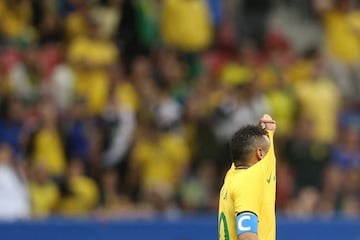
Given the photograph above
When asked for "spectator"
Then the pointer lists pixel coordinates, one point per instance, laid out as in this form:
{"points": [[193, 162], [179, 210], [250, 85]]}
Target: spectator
{"points": [[77, 130], [111, 198], [351, 207], [118, 127], [283, 107], [243, 101], [90, 56], [76, 22], [346, 155], [44, 193], [332, 189], [172, 73], [166, 111], [108, 16], [306, 203], [62, 84], [51, 28], [148, 12], [186, 25], [217, 11], [251, 18], [341, 25], [197, 121], [197, 192], [302, 150], [48, 147], [125, 93], [155, 157], [14, 201], [12, 126], [319, 93], [142, 76], [113, 204], [16, 19], [24, 76], [127, 35], [79, 192]]}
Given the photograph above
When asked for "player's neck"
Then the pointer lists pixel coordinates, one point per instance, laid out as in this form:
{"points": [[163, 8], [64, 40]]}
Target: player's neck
{"points": [[247, 165], [241, 167]]}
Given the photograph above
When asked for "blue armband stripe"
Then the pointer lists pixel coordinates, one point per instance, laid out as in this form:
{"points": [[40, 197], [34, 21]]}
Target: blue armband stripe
{"points": [[246, 222]]}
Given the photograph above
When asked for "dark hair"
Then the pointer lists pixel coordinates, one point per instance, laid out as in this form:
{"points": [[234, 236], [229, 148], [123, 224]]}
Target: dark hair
{"points": [[244, 143]]}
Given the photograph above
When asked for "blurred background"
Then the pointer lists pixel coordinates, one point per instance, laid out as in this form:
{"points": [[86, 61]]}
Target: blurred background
{"points": [[122, 109]]}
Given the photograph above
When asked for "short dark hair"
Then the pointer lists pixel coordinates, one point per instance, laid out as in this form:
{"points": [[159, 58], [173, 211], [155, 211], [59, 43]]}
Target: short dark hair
{"points": [[245, 141]]}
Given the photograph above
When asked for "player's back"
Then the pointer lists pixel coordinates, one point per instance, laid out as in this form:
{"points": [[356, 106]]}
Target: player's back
{"points": [[226, 218], [237, 183], [249, 190]]}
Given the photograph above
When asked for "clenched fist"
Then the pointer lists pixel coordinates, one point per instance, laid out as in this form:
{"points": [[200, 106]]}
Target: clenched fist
{"points": [[266, 122]]}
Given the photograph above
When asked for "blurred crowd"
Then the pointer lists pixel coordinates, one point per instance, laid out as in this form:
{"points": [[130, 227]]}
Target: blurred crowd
{"points": [[124, 108]]}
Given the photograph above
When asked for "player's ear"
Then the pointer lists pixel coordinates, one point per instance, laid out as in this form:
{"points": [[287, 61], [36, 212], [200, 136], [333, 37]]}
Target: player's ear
{"points": [[260, 153]]}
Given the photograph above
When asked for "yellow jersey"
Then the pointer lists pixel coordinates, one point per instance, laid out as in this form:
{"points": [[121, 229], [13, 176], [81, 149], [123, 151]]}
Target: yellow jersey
{"points": [[341, 38], [249, 190]]}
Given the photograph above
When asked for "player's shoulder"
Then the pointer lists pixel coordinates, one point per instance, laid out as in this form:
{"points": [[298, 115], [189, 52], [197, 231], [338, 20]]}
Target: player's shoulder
{"points": [[243, 178], [238, 178], [241, 183]]}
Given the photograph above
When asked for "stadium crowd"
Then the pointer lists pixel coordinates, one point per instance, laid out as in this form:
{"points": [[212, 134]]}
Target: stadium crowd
{"points": [[124, 108]]}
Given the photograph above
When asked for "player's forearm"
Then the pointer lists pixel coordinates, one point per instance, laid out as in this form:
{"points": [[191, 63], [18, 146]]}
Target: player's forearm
{"points": [[248, 236]]}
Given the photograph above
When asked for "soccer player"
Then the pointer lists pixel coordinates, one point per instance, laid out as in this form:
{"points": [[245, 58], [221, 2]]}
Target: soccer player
{"points": [[247, 197]]}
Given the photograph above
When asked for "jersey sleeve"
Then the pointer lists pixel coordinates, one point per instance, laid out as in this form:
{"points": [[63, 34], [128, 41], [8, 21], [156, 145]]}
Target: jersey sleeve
{"points": [[270, 156], [271, 138]]}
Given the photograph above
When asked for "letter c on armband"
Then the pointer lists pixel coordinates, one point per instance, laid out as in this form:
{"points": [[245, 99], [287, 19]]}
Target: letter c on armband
{"points": [[246, 222]]}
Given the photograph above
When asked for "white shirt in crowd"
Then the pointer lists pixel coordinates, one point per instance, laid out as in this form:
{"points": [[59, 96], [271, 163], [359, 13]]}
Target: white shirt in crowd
{"points": [[14, 199]]}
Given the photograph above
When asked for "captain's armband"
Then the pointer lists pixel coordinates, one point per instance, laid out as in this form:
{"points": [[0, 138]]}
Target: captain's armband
{"points": [[246, 222]]}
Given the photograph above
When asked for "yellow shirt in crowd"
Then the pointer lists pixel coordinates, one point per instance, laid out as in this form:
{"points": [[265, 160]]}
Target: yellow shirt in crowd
{"points": [[92, 82], [160, 161], [186, 24], [126, 95], [319, 101], [341, 38], [283, 107], [48, 151], [84, 196], [44, 198], [15, 20], [75, 25]]}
